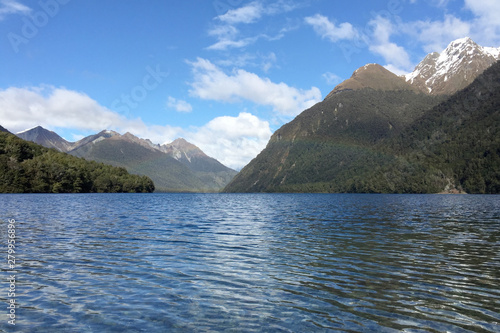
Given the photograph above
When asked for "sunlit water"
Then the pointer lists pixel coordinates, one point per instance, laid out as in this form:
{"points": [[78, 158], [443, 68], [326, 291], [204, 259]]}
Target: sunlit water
{"points": [[253, 263]]}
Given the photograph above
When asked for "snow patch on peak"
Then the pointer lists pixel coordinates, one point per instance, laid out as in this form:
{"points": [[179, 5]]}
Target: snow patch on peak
{"points": [[365, 67], [27, 130], [461, 41], [493, 51], [462, 56]]}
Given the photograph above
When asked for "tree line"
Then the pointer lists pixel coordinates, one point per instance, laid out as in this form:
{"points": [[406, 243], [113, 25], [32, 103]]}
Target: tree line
{"points": [[26, 167]]}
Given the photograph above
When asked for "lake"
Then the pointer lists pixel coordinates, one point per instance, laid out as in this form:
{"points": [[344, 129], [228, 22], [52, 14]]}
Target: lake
{"points": [[252, 263]]}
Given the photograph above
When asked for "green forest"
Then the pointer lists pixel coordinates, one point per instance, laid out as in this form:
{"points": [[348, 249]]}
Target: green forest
{"points": [[26, 167], [370, 141]]}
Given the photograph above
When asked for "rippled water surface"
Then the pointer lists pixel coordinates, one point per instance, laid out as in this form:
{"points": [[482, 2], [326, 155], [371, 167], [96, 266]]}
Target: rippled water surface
{"points": [[254, 263]]}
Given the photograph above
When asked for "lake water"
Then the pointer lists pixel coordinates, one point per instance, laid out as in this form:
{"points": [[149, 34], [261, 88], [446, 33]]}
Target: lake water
{"points": [[253, 263]]}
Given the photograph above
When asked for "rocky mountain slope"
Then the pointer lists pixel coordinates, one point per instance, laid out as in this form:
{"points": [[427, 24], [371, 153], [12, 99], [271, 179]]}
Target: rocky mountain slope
{"points": [[45, 138], [179, 166], [373, 134], [454, 68]]}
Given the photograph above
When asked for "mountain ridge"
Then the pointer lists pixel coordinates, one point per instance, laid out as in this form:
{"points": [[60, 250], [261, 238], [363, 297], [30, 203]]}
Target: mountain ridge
{"points": [[178, 166], [454, 68], [346, 142], [27, 167], [46, 138], [372, 76]]}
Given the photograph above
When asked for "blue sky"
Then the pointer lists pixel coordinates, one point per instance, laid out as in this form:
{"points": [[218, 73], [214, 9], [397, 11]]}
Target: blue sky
{"points": [[224, 74]]}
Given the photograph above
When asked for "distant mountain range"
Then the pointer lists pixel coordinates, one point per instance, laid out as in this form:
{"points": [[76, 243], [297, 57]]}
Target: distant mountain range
{"points": [[27, 167], [436, 129], [178, 166]]}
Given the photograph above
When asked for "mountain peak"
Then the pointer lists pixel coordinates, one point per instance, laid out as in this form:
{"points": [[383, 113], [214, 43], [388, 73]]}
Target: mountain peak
{"points": [[180, 148], [371, 76], [462, 41], [108, 133], [33, 129], [454, 68], [181, 143], [146, 143], [44, 137]]}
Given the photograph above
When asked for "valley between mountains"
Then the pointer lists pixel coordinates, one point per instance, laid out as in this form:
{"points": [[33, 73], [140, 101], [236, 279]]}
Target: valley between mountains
{"points": [[435, 130]]}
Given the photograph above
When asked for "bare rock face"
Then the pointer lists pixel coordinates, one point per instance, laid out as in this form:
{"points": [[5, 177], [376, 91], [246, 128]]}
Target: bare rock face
{"points": [[453, 69], [45, 138]]}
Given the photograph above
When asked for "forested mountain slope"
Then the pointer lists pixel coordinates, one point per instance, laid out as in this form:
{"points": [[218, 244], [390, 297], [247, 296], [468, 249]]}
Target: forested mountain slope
{"points": [[370, 140], [26, 167]]}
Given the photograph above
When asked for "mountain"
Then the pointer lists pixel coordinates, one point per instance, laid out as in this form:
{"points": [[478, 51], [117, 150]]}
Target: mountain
{"points": [[178, 166], [454, 68], [102, 135], [45, 138], [330, 145], [167, 173], [208, 169], [378, 136], [3, 129], [458, 141], [373, 76], [26, 167]]}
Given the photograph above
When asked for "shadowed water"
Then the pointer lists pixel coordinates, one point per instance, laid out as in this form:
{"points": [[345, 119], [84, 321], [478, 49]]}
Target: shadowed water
{"points": [[254, 263]]}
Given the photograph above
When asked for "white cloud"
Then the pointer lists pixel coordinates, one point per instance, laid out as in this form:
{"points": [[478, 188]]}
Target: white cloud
{"points": [[228, 43], [246, 14], [59, 108], [398, 60], [228, 36], [486, 10], [224, 31], [436, 35], [22, 108], [8, 7], [210, 82], [179, 105], [486, 25], [377, 41], [332, 78], [483, 27], [233, 141], [329, 30]]}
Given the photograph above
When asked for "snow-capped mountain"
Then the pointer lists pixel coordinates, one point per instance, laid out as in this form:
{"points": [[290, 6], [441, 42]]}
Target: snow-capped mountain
{"points": [[454, 68]]}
